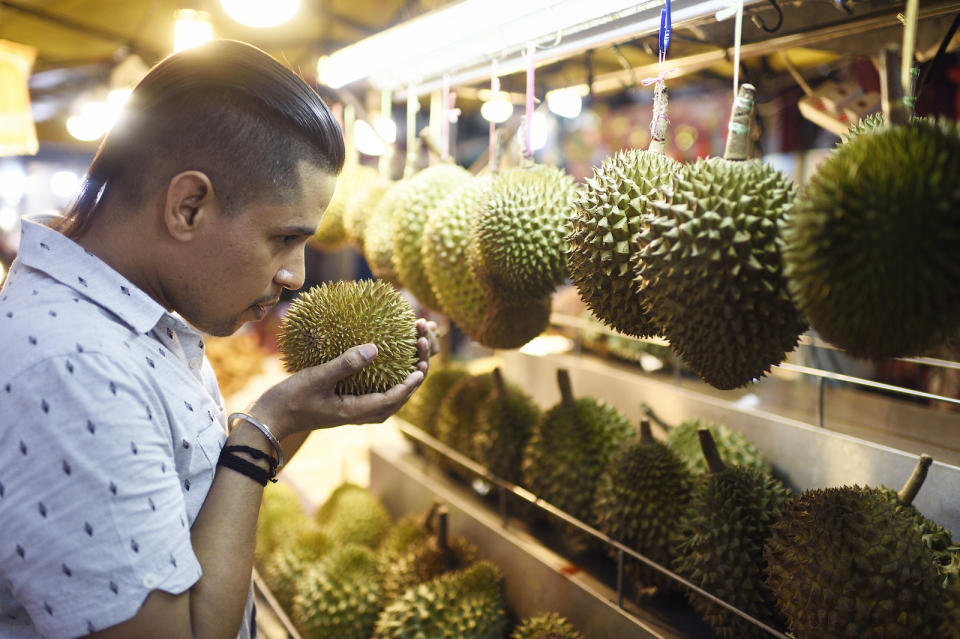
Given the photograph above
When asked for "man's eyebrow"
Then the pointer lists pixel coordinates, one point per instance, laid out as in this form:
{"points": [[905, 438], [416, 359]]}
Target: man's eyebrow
{"points": [[296, 230]]}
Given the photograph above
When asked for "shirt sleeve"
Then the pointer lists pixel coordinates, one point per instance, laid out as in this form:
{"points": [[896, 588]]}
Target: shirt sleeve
{"points": [[92, 515]]}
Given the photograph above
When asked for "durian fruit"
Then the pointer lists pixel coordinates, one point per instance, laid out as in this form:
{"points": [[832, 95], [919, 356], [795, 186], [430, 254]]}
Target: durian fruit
{"points": [[352, 514], [413, 208], [331, 233], [569, 450], [735, 449], [281, 519], [328, 319], [341, 597], [548, 626], [603, 231], [642, 494], [517, 247], [435, 555], [849, 562], [871, 123], [720, 542], [466, 604], [488, 317], [378, 233], [360, 208], [284, 568], [872, 244], [457, 422], [423, 407], [409, 530], [709, 263], [505, 422]]}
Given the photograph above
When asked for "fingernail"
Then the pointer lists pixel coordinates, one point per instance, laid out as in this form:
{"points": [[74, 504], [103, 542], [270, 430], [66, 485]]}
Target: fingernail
{"points": [[368, 351]]}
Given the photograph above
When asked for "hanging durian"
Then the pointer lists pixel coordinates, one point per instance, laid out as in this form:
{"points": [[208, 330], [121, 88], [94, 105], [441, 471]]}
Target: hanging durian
{"points": [[603, 231], [850, 562], [641, 495], [872, 244], [360, 208], [331, 233], [413, 209], [353, 514], [467, 604], [720, 541], [328, 319], [409, 530], [505, 422], [569, 450], [378, 232], [341, 597], [427, 559], [549, 626], [517, 248], [710, 262]]}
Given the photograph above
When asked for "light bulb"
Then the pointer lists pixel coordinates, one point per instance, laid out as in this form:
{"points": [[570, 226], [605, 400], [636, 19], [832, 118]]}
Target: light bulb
{"points": [[190, 28], [64, 184], [91, 121], [386, 129], [8, 218], [366, 139], [565, 102], [13, 184], [497, 109], [257, 13]]}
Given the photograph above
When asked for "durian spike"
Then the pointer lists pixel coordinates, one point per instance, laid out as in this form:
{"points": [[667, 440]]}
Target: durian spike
{"points": [[741, 119], [646, 435], [498, 384], [658, 125], [710, 452], [909, 491], [891, 90], [566, 389]]}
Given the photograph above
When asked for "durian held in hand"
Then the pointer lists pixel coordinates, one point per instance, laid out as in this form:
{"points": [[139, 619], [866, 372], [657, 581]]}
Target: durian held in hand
{"points": [[328, 319]]}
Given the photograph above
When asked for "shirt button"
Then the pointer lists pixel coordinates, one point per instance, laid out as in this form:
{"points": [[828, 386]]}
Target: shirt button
{"points": [[150, 581]]}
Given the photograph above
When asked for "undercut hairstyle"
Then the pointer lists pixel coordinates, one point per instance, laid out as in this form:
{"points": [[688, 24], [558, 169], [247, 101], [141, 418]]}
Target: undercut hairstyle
{"points": [[224, 108]]}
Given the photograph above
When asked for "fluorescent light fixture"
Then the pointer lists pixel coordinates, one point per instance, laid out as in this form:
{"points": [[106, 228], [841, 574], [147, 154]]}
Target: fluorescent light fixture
{"points": [[190, 28], [258, 13], [461, 39], [566, 103], [386, 129], [366, 140], [498, 108], [64, 184]]}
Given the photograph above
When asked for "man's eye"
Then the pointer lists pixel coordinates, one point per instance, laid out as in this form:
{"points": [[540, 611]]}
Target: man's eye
{"points": [[289, 239]]}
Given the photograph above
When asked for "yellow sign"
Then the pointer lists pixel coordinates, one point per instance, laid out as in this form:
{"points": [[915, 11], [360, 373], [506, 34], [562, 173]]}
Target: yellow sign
{"points": [[18, 135]]}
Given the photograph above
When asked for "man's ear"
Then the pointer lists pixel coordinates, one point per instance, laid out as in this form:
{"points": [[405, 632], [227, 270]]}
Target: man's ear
{"points": [[190, 201]]}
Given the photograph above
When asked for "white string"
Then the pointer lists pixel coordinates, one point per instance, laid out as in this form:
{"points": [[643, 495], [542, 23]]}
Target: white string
{"points": [[737, 34]]}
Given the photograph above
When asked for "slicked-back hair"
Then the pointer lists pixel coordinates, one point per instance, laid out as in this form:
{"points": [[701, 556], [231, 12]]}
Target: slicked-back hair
{"points": [[224, 108]]}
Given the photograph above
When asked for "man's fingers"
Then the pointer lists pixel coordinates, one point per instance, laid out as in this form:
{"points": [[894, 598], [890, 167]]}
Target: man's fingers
{"points": [[362, 409], [351, 361]]}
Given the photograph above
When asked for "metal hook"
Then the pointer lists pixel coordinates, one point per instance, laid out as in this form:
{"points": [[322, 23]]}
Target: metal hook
{"points": [[757, 20]]}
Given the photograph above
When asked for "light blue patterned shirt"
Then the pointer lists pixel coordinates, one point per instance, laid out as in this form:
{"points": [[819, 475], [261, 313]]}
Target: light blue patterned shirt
{"points": [[111, 423]]}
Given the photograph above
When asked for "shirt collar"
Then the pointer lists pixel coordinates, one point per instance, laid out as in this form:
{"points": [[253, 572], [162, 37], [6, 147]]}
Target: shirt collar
{"points": [[49, 251]]}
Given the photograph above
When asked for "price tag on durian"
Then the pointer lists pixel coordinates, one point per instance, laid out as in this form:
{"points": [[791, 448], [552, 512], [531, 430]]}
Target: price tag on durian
{"points": [[665, 24]]}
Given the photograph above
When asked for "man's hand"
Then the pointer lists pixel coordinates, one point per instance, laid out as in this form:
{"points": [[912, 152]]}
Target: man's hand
{"points": [[306, 400]]}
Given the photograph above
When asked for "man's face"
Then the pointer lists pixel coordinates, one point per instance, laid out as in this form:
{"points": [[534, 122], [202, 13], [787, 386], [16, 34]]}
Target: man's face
{"points": [[250, 256]]}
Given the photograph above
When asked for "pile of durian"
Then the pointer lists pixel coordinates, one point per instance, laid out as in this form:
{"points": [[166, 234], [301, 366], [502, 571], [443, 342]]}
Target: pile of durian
{"points": [[349, 572], [705, 504]]}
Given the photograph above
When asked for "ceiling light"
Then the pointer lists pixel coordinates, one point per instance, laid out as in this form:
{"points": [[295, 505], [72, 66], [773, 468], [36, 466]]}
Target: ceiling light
{"points": [[257, 13], [498, 108], [13, 184], [190, 28], [366, 140], [8, 218], [386, 129], [91, 120], [565, 102], [64, 184]]}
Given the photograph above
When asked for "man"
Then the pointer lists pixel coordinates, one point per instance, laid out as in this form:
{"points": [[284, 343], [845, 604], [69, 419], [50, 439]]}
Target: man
{"points": [[116, 519]]}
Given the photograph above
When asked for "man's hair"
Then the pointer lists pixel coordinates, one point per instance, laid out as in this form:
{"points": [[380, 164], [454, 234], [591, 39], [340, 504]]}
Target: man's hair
{"points": [[224, 108]]}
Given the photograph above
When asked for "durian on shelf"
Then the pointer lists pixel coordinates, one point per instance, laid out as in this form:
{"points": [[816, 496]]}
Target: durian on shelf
{"points": [[709, 262]]}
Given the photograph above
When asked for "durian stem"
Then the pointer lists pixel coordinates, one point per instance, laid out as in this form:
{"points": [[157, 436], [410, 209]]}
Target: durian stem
{"points": [[658, 126], [566, 389], [499, 384], [891, 90], [909, 491], [741, 119], [442, 523], [428, 516], [646, 435], [710, 452], [653, 416]]}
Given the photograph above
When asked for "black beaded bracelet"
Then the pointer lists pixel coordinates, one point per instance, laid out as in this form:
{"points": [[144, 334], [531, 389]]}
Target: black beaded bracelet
{"points": [[256, 454], [248, 469]]}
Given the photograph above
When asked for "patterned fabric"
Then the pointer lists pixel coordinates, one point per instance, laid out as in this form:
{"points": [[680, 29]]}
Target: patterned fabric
{"points": [[110, 428]]}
